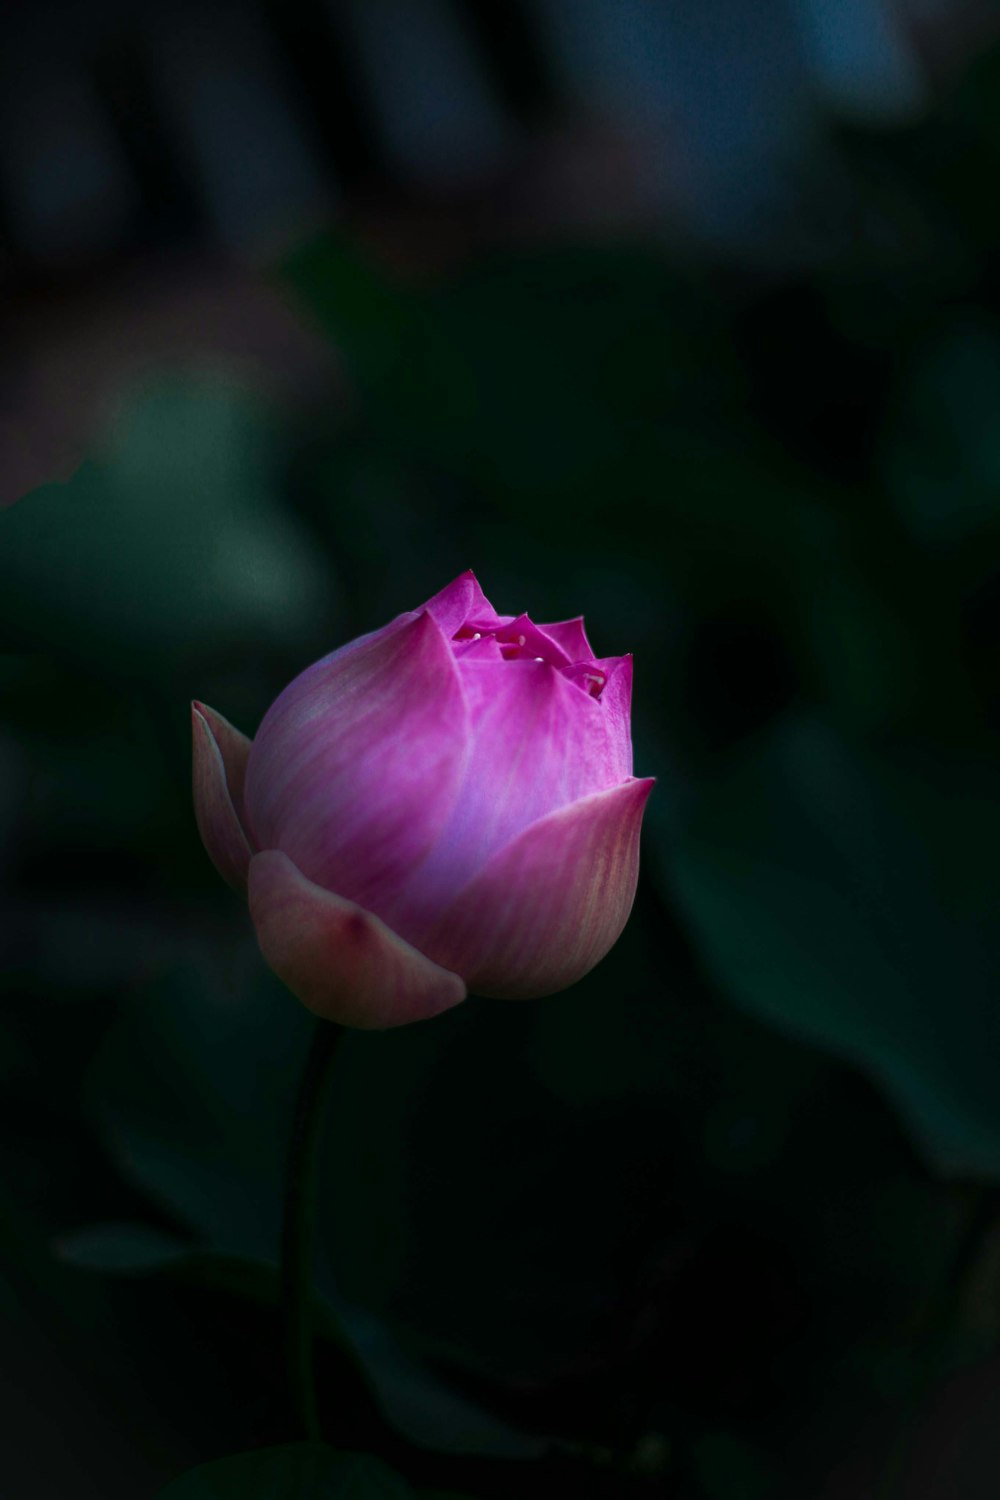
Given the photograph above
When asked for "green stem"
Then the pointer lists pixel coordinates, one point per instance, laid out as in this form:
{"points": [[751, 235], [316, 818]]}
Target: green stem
{"points": [[299, 1228]]}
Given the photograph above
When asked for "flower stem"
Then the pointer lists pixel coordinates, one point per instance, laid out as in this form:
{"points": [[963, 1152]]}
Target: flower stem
{"points": [[299, 1227]]}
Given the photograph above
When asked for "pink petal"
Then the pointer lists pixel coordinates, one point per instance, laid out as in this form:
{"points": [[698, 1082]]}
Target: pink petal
{"points": [[551, 904], [459, 602], [588, 676], [525, 639], [484, 647], [219, 762], [536, 743], [616, 701], [356, 765], [487, 621], [571, 636], [338, 959]]}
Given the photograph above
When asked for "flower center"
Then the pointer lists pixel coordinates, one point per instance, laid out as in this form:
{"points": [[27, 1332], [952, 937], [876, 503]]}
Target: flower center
{"points": [[519, 639]]}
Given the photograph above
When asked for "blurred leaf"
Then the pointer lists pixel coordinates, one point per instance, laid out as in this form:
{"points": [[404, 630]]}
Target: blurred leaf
{"points": [[139, 1250], [122, 1247], [440, 374], [170, 537], [529, 374], [860, 632], [729, 1469], [851, 900], [942, 461], [300, 1471], [190, 1108], [13, 774], [478, 1208], [195, 1087]]}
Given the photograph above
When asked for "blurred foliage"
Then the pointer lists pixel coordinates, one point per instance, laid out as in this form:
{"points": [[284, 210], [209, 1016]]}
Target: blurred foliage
{"points": [[301, 1471], [851, 897], [200, 545], [723, 1213]]}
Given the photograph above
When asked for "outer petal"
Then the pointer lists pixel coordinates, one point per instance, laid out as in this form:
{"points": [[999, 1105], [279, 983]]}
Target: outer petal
{"points": [[339, 960], [551, 904], [355, 767], [571, 636], [219, 762]]}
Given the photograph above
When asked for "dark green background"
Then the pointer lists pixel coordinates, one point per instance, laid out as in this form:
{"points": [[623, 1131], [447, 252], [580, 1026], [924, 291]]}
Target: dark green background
{"points": [[716, 1224]]}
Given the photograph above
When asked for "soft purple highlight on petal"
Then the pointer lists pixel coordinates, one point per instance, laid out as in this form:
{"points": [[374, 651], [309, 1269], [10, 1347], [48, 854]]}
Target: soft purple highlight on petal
{"points": [[356, 766], [535, 743], [571, 637], [550, 904], [339, 960], [219, 760]]}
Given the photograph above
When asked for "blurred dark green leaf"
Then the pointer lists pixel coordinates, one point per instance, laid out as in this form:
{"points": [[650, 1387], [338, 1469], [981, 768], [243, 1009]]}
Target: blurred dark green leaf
{"points": [[195, 1087], [942, 458], [729, 1469], [171, 537], [123, 1247], [850, 898], [300, 1471], [529, 375]]}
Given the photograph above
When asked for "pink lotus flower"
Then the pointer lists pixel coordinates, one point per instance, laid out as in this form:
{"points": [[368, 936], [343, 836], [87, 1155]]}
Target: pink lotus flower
{"points": [[447, 802]]}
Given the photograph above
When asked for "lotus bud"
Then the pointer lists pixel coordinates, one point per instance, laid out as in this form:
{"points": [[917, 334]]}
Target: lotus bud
{"points": [[446, 804]]}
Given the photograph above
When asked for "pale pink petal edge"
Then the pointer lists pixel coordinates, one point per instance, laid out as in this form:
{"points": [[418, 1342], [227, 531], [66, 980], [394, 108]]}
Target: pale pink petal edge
{"points": [[552, 903], [218, 770], [341, 961]]}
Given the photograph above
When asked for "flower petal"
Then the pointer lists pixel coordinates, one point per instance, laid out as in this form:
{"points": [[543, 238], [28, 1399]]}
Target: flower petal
{"points": [[616, 701], [571, 636], [551, 904], [219, 762], [536, 743], [483, 647], [356, 765], [525, 640], [461, 600], [338, 959]]}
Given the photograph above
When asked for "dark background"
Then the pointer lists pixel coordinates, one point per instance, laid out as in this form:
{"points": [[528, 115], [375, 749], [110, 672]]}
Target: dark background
{"points": [[686, 316]]}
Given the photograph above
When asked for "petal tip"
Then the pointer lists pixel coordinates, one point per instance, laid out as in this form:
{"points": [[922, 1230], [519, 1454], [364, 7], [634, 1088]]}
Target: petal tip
{"points": [[218, 756]]}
